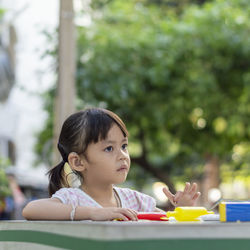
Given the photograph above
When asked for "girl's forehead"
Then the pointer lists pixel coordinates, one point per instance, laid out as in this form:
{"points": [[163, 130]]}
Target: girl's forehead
{"points": [[115, 130], [114, 134]]}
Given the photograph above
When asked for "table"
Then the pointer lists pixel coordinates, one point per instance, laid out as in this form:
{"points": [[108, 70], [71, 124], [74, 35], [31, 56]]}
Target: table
{"points": [[116, 235]]}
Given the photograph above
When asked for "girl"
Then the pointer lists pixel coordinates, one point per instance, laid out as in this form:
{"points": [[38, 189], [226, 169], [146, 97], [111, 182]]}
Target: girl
{"points": [[94, 144]]}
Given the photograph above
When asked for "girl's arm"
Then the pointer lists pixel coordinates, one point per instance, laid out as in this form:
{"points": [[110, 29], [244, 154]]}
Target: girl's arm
{"points": [[54, 209], [47, 209]]}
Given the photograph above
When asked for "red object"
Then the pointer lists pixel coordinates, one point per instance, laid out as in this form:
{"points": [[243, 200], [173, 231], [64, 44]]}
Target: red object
{"points": [[152, 216]]}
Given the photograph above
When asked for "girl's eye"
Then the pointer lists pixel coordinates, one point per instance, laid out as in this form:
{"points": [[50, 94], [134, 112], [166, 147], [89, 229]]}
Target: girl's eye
{"points": [[124, 146], [109, 149]]}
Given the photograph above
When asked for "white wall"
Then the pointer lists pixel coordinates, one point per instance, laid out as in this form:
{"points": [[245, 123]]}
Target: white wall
{"points": [[22, 115]]}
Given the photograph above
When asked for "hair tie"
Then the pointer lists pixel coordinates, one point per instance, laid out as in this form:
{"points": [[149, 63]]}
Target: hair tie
{"points": [[67, 171]]}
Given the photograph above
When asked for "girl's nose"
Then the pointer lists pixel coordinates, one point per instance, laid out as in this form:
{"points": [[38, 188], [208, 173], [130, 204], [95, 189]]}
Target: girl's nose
{"points": [[123, 154]]}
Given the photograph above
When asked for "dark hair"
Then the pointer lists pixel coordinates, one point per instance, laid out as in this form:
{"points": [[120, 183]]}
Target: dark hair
{"points": [[78, 131]]}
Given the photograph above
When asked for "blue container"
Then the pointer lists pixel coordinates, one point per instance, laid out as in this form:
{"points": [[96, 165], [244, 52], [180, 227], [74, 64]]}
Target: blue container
{"points": [[234, 211]]}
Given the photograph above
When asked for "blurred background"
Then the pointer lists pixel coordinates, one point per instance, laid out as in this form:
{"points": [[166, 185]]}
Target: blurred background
{"points": [[177, 73]]}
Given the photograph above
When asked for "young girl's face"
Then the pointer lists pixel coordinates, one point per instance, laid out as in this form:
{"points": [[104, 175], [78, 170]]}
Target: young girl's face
{"points": [[108, 160]]}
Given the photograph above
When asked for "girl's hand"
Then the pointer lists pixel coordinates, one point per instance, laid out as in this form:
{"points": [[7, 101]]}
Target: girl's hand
{"points": [[188, 197], [111, 213]]}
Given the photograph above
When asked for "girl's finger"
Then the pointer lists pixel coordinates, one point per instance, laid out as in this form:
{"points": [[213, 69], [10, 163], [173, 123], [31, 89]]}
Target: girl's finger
{"points": [[177, 196], [169, 195], [134, 213], [129, 214], [193, 188], [196, 196], [187, 187], [119, 216]]}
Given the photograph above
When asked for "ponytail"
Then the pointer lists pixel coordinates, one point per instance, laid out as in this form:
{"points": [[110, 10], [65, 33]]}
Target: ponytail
{"points": [[56, 178], [56, 174]]}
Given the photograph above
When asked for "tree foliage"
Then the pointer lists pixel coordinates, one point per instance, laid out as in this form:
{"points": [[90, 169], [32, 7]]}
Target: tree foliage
{"points": [[4, 184], [180, 82]]}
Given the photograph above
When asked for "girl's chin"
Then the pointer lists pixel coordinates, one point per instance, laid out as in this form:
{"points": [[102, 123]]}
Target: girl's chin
{"points": [[122, 180]]}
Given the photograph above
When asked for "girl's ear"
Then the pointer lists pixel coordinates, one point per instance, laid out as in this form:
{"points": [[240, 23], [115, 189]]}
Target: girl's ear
{"points": [[76, 162]]}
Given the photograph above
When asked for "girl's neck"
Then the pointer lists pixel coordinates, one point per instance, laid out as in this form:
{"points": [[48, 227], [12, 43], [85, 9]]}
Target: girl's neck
{"points": [[98, 191], [105, 196]]}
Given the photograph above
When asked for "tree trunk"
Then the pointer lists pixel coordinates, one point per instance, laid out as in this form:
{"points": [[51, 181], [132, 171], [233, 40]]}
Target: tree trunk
{"points": [[158, 173], [211, 179], [65, 95]]}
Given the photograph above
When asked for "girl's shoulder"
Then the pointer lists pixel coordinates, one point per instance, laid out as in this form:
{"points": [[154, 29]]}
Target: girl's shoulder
{"points": [[66, 195], [67, 191], [75, 196]]}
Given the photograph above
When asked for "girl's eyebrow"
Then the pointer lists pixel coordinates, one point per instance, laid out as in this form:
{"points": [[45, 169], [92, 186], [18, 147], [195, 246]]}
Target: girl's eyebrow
{"points": [[113, 142]]}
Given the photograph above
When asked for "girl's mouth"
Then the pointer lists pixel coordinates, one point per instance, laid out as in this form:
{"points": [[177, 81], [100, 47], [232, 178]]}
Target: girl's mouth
{"points": [[122, 168]]}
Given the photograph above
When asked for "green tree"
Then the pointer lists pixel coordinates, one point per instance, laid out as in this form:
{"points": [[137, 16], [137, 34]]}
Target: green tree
{"points": [[4, 184], [181, 83]]}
